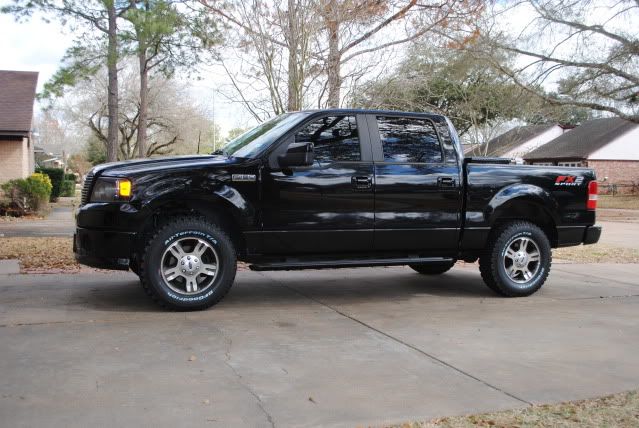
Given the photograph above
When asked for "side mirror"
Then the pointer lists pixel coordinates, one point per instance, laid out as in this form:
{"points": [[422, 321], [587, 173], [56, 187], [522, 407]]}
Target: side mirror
{"points": [[297, 154]]}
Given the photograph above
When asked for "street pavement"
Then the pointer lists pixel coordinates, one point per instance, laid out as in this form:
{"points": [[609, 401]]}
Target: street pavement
{"points": [[59, 222], [620, 234], [350, 347]]}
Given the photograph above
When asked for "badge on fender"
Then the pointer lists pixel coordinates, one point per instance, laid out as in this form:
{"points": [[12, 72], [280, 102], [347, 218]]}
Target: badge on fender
{"points": [[243, 177]]}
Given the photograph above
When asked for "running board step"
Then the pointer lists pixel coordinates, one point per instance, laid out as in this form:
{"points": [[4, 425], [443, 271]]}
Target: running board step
{"points": [[346, 263]]}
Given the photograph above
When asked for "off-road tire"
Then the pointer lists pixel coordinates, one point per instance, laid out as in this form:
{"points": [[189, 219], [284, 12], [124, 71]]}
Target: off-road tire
{"points": [[432, 268], [491, 262], [150, 264]]}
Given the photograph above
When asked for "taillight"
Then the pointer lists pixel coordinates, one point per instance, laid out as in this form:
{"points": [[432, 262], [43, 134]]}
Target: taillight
{"points": [[591, 204]]}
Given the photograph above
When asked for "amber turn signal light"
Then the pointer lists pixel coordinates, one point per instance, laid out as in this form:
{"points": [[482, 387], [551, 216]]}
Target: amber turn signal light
{"points": [[124, 188]]}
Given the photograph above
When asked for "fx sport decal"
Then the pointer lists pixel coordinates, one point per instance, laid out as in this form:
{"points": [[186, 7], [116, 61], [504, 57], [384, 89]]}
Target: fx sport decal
{"points": [[569, 180], [243, 177]]}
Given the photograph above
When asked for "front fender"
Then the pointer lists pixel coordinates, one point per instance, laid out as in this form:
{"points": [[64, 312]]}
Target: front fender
{"points": [[202, 192]]}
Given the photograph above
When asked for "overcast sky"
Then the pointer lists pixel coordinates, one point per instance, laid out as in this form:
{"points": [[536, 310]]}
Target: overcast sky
{"points": [[35, 45]]}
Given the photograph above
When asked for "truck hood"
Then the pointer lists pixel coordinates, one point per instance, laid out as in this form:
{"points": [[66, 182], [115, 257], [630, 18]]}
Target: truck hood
{"points": [[142, 166]]}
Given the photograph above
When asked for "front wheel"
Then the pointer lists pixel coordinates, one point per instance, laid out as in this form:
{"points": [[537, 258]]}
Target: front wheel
{"points": [[189, 264], [517, 259]]}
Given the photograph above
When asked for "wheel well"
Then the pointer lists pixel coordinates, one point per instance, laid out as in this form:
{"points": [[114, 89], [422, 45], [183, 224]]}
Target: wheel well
{"points": [[529, 211], [220, 215]]}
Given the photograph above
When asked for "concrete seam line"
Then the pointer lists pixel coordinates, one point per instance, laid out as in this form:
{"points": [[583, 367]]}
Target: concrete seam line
{"points": [[259, 401], [624, 296], [401, 342]]}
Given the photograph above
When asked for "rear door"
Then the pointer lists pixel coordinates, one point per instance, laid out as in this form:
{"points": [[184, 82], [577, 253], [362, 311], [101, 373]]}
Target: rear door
{"points": [[417, 185], [327, 207]]}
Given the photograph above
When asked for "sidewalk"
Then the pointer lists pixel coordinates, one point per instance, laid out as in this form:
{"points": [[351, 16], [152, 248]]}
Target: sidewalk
{"points": [[59, 222]]}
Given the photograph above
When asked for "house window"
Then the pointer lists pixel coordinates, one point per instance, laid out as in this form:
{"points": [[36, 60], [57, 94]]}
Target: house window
{"points": [[570, 164]]}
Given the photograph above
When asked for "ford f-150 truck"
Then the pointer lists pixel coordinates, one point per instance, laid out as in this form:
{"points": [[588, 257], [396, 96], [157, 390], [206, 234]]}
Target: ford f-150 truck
{"points": [[328, 189]]}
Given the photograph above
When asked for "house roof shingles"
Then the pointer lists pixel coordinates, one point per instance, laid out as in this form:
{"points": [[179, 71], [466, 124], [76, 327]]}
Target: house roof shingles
{"points": [[509, 140], [17, 95], [583, 140]]}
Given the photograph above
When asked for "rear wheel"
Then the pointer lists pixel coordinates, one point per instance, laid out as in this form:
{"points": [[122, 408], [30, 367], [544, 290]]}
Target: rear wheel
{"points": [[517, 259], [432, 268], [189, 264]]}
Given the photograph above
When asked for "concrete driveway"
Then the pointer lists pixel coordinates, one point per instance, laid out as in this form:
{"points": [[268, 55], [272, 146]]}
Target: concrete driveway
{"points": [[352, 347]]}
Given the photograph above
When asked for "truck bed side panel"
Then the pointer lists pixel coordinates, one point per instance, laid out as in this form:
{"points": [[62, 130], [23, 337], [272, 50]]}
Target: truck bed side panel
{"points": [[492, 191]]}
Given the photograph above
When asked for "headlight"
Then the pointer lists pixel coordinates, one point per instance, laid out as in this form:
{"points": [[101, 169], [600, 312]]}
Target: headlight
{"points": [[111, 190]]}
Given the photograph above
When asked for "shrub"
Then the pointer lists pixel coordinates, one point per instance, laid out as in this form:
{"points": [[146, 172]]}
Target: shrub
{"points": [[57, 176], [71, 177], [28, 195], [68, 188]]}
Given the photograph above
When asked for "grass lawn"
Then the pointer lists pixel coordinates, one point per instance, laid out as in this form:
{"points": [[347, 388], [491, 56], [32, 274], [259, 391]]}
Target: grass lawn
{"points": [[618, 410], [46, 254], [621, 201], [40, 254], [56, 254], [596, 253]]}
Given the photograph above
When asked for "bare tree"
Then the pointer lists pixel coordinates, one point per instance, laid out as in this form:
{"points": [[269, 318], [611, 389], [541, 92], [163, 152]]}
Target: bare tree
{"points": [[268, 53], [354, 28], [174, 121], [99, 16], [571, 52], [164, 36]]}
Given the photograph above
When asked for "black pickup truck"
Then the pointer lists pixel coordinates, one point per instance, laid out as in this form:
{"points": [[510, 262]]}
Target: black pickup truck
{"points": [[327, 189]]}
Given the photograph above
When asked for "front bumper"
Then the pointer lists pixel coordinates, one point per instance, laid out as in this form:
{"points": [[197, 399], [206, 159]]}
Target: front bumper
{"points": [[103, 249]]}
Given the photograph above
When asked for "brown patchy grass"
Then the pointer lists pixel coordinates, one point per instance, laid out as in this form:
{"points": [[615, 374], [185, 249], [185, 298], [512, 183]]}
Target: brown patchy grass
{"points": [[618, 410], [597, 253], [627, 202], [47, 255], [40, 254]]}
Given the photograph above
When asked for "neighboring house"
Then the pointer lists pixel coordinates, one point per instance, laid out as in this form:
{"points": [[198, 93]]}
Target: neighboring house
{"points": [[519, 141], [51, 162], [610, 146], [17, 95]]}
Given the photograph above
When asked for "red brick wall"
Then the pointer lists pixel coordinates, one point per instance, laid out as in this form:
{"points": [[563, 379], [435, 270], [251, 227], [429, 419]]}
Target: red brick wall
{"points": [[618, 172]]}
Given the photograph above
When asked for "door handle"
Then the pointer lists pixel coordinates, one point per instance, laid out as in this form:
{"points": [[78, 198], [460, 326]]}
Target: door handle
{"points": [[446, 182], [362, 183]]}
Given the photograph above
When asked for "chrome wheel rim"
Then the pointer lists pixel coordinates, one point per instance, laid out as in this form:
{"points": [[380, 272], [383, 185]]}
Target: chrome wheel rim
{"points": [[522, 260], [189, 266]]}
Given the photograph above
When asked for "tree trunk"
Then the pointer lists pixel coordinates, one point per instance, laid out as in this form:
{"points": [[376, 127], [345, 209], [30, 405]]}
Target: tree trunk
{"points": [[333, 66], [112, 101], [293, 66], [142, 117]]}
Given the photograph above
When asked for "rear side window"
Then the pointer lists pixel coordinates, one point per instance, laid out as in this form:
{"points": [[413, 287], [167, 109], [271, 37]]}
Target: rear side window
{"points": [[409, 139], [335, 139]]}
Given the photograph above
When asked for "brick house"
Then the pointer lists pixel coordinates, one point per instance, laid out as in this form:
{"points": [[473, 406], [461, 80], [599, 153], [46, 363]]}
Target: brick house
{"points": [[17, 95], [518, 141], [610, 146]]}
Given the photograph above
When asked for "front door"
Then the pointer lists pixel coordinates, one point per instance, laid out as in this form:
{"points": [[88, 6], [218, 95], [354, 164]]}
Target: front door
{"points": [[327, 207], [417, 187]]}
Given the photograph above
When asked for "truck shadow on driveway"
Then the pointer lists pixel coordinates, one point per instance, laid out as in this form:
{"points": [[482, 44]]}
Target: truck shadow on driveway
{"points": [[277, 289]]}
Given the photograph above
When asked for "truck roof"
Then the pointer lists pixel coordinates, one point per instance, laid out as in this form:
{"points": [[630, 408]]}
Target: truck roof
{"points": [[366, 111]]}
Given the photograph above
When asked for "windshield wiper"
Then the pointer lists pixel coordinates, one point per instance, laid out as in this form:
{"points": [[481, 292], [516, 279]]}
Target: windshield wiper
{"points": [[219, 152]]}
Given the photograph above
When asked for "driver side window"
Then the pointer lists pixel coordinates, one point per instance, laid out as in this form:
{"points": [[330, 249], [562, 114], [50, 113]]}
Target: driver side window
{"points": [[335, 139]]}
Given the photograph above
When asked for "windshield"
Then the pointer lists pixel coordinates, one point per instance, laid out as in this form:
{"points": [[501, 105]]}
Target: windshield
{"points": [[257, 139]]}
